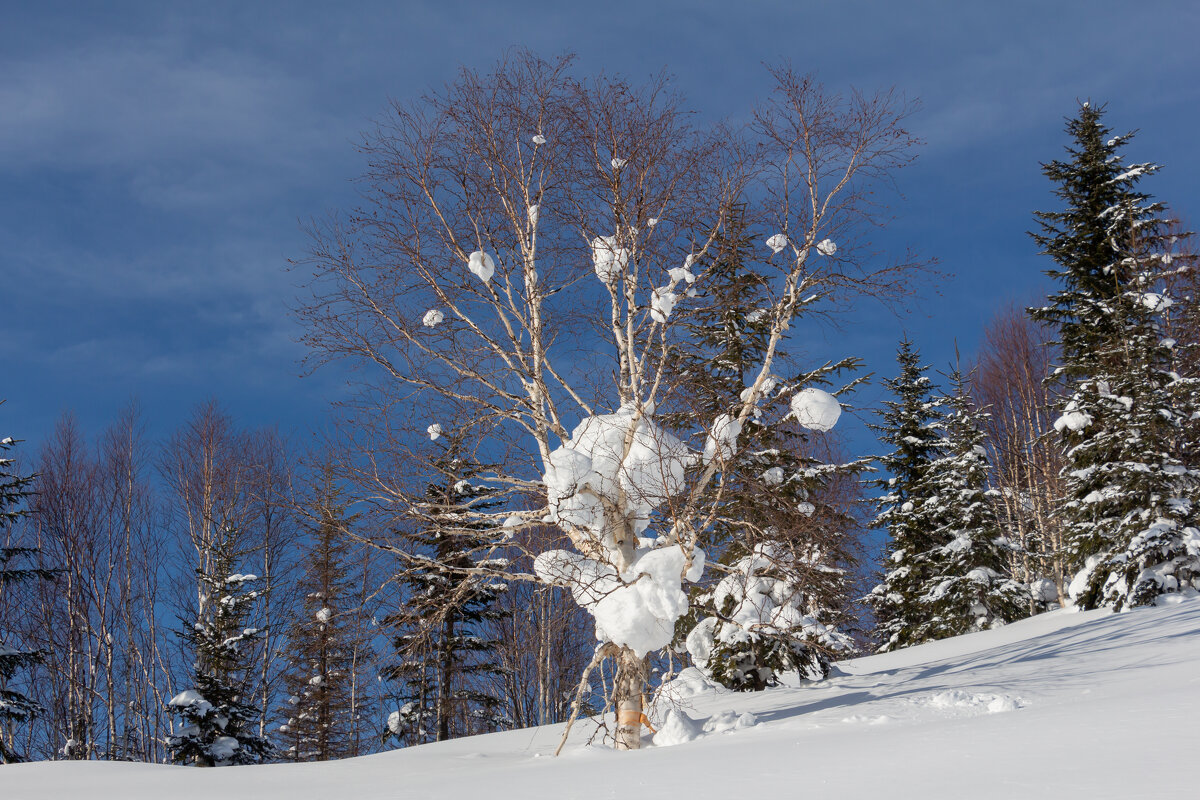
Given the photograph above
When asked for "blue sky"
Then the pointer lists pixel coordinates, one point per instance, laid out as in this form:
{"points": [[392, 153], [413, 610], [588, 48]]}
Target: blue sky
{"points": [[157, 159]]}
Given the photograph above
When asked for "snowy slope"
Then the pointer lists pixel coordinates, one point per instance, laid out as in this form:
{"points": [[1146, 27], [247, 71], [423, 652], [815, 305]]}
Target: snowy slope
{"points": [[1066, 705]]}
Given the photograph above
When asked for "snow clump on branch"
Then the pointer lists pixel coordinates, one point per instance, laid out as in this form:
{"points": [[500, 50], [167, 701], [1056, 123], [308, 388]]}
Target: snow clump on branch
{"points": [[778, 242], [816, 409], [432, 318], [662, 303], [482, 265], [826, 247], [594, 464], [610, 260]]}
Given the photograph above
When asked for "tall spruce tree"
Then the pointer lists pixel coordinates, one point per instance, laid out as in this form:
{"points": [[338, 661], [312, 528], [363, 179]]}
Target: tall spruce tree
{"points": [[909, 428], [15, 706], [1131, 505], [444, 645], [781, 524], [967, 586], [216, 727], [326, 646]]}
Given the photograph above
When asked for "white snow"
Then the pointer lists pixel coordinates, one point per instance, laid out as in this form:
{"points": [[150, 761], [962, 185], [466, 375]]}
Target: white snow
{"points": [[816, 409], [652, 221], [1075, 420], [638, 609], [777, 242], [1072, 706], [434, 431], [662, 303], [722, 438], [538, 139], [681, 274], [324, 614], [617, 163], [533, 214], [432, 318], [482, 265], [773, 476], [609, 258], [826, 247], [1156, 302], [596, 462]]}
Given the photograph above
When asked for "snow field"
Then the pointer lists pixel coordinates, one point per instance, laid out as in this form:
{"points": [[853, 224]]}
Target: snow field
{"points": [[1065, 705]]}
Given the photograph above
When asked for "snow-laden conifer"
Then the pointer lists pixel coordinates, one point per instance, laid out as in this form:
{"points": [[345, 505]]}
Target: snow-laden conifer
{"points": [[16, 707], [445, 648], [1131, 483], [967, 586], [214, 725], [909, 428]]}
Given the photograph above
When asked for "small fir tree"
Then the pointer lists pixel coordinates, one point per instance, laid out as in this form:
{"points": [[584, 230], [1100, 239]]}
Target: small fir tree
{"points": [[968, 587], [446, 653], [215, 726], [909, 427], [325, 642]]}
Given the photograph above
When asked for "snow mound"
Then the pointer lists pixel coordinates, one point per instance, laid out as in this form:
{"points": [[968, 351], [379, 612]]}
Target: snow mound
{"points": [[974, 702], [679, 728]]}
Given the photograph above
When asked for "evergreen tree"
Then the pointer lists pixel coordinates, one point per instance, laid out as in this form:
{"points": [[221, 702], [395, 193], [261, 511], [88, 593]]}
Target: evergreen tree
{"points": [[326, 647], [1131, 487], [444, 646], [967, 586], [215, 726], [781, 522], [909, 426], [15, 706]]}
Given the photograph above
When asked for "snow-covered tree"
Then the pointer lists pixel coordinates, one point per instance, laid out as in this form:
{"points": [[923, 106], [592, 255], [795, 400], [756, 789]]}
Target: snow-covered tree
{"points": [[444, 641], [527, 247], [15, 706], [967, 586], [780, 518], [1130, 510], [215, 726], [909, 427], [766, 624]]}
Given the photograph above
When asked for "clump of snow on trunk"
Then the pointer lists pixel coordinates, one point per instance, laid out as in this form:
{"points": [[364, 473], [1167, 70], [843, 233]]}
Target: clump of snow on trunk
{"points": [[635, 609], [595, 464], [603, 484], [609, 258]]}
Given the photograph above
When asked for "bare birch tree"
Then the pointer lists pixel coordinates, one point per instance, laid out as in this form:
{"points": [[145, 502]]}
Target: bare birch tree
{"points": [[469, 280]]}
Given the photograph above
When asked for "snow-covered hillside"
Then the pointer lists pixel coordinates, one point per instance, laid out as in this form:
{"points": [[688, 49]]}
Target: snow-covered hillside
{"points": [[1064, 705]]}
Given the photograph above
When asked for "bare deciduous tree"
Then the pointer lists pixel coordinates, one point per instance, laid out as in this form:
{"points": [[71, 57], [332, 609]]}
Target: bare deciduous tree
{"points": [[469, 282]]}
